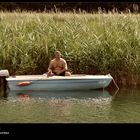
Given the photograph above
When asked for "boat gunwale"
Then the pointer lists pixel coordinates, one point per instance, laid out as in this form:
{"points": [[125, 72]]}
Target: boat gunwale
{"points": [[44, 78]]}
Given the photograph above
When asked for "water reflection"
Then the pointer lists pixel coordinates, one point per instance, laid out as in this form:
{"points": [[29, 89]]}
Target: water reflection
{"points": [[3, 94], [53, 107], [89, 94], [95, 106], [125, 108], [61, 106]]}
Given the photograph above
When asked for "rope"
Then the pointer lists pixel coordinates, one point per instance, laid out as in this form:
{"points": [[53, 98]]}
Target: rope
{"points": [[115, 84]]}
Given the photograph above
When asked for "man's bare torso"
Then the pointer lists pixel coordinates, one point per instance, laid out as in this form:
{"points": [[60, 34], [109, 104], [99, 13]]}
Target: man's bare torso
{"points": [[57, 65]]}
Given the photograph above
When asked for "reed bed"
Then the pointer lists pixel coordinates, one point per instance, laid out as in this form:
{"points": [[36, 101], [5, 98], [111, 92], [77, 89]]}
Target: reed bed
{"points": [[91, 43]]}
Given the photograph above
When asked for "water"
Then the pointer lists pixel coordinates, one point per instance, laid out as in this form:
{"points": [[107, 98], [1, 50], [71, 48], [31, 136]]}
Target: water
{"points": [[99, 106]]}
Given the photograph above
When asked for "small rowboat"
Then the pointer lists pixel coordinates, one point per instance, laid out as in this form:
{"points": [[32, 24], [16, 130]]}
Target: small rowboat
{"points": [[43, 83]]}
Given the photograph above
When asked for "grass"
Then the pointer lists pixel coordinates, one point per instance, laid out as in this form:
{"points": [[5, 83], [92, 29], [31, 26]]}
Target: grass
{"points": [[91, 43]]}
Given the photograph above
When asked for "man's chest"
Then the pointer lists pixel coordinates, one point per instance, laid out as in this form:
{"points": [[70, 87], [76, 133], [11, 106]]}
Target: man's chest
{"points": [[57, 64]]}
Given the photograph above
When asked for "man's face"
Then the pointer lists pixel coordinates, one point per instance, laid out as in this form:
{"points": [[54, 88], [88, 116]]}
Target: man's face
{"points": [[57, 55]]}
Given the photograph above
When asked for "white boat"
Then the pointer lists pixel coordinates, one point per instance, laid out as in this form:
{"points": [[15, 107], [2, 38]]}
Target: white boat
{"points": [[43, 83]]}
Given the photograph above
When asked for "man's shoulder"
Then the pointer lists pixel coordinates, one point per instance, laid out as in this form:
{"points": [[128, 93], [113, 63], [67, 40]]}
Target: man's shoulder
{"points": [[62, 59], [53, 60]]}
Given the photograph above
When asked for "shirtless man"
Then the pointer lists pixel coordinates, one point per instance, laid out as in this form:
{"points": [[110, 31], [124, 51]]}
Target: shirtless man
{"points": [[58, 66]]}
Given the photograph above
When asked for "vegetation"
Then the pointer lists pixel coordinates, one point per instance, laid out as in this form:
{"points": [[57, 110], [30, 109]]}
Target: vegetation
{"points": [[70, 6], [91, 43]]}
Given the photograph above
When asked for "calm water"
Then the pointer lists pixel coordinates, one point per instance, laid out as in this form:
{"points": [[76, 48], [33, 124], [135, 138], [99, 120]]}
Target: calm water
{"points": [[71, 107]]}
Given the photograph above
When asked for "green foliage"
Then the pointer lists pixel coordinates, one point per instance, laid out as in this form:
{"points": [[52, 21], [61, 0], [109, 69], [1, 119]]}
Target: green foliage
{"points": [[91, 43]]}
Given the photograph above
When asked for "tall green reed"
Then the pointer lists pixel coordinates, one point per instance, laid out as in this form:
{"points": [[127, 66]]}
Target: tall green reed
{"points": [[91, 43]]}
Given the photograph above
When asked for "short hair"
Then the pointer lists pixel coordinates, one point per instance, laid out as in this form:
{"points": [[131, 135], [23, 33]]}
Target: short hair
{"points": [[58, 52]]}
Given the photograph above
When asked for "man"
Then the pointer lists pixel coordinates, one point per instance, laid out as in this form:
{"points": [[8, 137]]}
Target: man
{"points": [[58, 66]]}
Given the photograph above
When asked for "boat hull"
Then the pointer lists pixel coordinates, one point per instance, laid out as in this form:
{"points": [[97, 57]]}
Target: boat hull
{"points": [[41, 83]]}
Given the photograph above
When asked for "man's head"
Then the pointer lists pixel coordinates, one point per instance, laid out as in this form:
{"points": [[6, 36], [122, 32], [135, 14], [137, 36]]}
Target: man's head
{"points": [[57, 54]]}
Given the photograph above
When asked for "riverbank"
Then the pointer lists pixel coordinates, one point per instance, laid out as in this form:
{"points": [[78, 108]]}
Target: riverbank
{"points": [[91, 43]]}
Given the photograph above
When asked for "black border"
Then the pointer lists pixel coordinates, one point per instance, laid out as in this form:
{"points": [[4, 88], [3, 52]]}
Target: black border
{"points": [[67, 131]]}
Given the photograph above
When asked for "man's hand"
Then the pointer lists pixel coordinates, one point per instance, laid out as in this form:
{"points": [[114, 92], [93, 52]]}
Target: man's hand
{"points": [[49, 71], [50, 74]]}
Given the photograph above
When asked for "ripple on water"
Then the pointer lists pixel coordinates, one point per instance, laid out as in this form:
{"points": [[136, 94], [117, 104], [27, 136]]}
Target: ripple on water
{"points": [[62, 108], [72, 108]]}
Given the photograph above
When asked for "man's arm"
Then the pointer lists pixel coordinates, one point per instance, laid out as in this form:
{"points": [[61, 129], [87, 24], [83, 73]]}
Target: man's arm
{"points": [[65, 67], [50, 66]]}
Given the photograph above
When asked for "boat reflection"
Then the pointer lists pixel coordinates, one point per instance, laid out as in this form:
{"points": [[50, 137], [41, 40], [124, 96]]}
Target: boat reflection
{"points": [[23, 97], [96, 94]]}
